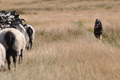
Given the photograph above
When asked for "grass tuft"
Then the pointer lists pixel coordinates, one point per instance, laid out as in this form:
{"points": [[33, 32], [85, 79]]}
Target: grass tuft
{"points": [[109, 7], [111, 35], [18, 11], [65, 50], [90, 30], [78, 23]]}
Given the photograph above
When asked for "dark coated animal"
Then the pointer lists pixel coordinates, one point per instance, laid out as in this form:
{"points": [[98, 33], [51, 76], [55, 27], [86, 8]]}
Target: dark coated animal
{"points": [[98, 29]]}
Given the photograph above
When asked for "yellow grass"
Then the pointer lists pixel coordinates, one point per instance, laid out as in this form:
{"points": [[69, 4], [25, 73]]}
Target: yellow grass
{"points": [[65, 47]]}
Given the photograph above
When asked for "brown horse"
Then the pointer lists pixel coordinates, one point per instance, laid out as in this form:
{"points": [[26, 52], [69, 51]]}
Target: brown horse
{"points": [[98, 30]]}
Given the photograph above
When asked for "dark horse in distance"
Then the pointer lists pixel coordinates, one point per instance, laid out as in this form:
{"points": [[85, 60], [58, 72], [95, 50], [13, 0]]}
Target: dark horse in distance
{"points": [[98, 30]]}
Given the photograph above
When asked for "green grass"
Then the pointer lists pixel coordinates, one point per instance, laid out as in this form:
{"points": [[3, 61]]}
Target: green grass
{"points": [[65, 48], [91, 30], [78, 23], [55, 35], [112, 36], [109, 7], [18, 11]]}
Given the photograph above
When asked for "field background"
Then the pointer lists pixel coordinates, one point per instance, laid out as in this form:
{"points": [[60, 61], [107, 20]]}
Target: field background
{"points": [[65, 47]]}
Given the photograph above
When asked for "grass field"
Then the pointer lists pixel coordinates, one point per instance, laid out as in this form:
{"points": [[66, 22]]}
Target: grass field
{"points": [[65, 47]]}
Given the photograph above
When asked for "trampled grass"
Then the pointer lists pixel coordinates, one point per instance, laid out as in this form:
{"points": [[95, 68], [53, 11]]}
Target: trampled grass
{"points": [[65, 47]]}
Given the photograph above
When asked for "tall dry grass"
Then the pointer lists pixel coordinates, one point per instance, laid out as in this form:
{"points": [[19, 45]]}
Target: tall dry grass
{"points": [[65, 47]]}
